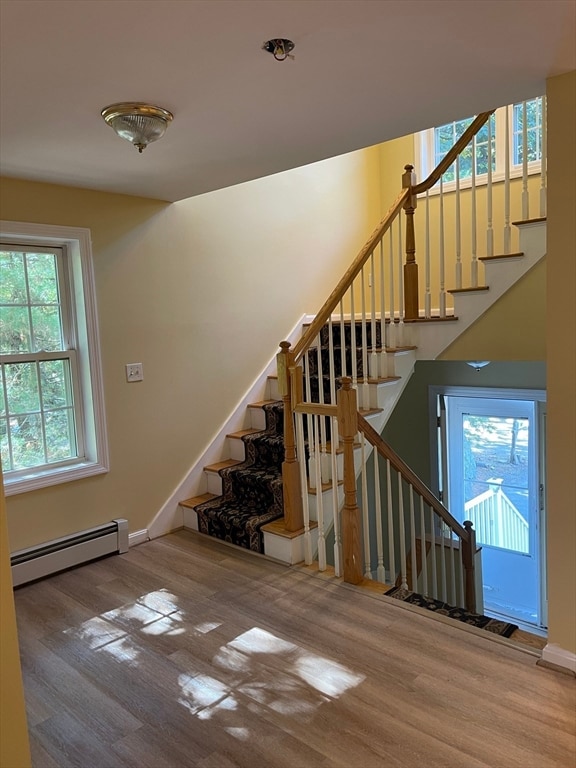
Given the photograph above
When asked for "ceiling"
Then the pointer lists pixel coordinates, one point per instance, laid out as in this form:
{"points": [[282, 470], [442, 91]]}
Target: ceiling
{"points": [[364, 71]]}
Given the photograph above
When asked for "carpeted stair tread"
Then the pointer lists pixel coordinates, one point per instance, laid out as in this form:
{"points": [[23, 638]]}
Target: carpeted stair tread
{"points": [[251, 489], [496, 626]]}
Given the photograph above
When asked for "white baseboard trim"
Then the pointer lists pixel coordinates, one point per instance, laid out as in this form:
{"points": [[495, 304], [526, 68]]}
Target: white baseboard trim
{"points": [[170, 516], [138, 537], [554, 654]]}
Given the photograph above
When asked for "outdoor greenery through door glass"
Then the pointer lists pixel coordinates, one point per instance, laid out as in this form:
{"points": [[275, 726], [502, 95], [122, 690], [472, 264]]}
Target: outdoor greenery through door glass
{"points": [[37, 425]]}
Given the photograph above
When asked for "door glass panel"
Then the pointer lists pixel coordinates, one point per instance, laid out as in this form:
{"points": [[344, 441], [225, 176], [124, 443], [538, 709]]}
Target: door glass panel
{"points": [[495, 452]]}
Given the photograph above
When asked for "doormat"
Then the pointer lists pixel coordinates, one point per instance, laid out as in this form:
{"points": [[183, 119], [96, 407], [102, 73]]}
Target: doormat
{"points": [[497, 627]]}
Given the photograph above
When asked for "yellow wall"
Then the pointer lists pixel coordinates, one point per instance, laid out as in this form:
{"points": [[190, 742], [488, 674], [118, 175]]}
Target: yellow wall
{"points": [[512, 329], [201, 292], [14, 748], [561, 359]]}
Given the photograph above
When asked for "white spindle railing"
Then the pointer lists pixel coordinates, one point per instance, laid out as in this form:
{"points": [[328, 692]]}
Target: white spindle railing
{"points": [[473, 223], [507, 228], [400, 333], [525, 194], [543, 156], [423, 554], [489, 226], [442, 255], [428, 291], [392, 325], [459, 226]]}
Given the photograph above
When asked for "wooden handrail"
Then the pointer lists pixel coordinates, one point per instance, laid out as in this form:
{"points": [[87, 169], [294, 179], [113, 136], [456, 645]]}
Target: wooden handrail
{"points": [[400, 466], [451, 156], [332, 301]]}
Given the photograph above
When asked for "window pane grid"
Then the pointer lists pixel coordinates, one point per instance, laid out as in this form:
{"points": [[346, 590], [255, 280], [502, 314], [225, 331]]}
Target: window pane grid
{"points": [[37, 435], [435, 143], [447, 135], [37, 403]]}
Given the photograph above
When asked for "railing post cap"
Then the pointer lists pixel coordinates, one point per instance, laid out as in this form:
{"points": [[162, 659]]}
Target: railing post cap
{"points": [[408, 167], [285, 346], [346, 382], [469, 525]]}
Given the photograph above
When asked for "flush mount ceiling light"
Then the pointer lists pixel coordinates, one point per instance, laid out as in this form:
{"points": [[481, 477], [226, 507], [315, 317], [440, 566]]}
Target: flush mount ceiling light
{"points": [[140, 124], [279, 47]]}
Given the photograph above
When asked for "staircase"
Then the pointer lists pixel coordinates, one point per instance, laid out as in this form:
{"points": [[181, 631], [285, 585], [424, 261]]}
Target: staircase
{"points": [[369, 333]]}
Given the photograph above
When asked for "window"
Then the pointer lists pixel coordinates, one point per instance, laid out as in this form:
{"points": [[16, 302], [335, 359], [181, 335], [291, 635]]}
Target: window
{"points": [[52, 426], [433, 144]]}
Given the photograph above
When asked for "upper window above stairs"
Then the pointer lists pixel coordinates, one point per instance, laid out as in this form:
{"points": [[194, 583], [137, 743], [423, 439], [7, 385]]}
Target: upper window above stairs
{"points": [[503, 134]]}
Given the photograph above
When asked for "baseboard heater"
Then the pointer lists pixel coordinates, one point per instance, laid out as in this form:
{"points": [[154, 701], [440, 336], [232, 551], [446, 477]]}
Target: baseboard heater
{"points": [[57, 555]]}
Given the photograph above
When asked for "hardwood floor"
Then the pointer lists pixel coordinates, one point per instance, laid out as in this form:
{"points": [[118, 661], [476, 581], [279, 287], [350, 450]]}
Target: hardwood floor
{"points": [[185, 653]]}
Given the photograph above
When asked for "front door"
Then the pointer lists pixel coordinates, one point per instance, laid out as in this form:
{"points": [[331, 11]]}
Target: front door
{"points": [[492, 478]]}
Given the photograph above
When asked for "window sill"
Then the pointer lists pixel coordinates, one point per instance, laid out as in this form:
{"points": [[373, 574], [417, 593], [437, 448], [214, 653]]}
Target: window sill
{"points": [[34, 480]]}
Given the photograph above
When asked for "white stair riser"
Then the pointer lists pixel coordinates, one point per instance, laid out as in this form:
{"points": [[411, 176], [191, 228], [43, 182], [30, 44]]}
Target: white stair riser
{"points": [[213, 482], [236, 448], [257, 418], [190, 518], [272, 389]]}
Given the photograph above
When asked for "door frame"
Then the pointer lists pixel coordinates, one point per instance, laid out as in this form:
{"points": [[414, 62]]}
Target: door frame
{"points": [[538, 397]]}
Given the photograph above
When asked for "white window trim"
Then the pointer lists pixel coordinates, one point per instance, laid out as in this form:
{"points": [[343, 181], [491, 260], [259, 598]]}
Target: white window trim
{"points": [[424, 154], [95, 461]]}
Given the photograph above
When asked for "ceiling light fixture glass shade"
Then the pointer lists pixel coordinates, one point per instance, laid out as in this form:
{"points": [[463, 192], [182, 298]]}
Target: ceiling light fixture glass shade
{"points": [[140, 124]]}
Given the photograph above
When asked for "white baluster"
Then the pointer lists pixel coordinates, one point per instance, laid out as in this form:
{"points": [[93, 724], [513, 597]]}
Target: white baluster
{"points": [[413, 563], [366, 385], [331, 364], [489, 228], [525, 196], [335, 504], [428, 295], [354, 366], [543, 158], [324, 461], [319, 499], [374, 368], [402, 531], [309, 423], [385, 368], [441, 265], [400, 335], [342, 340], [507, 228], [473, 223], [365, 509], [443, 560], [459, 226], [453, 598], [435, 591], [462, 602], [380, 571], [392, 313], [304, 486], [390, 514], [423, 545]]}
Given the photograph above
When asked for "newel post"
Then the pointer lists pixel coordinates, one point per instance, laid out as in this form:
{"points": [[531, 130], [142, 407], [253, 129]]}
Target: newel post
{"points": [[292, 496], [410, 267], [468, 557], [351, 523]]}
